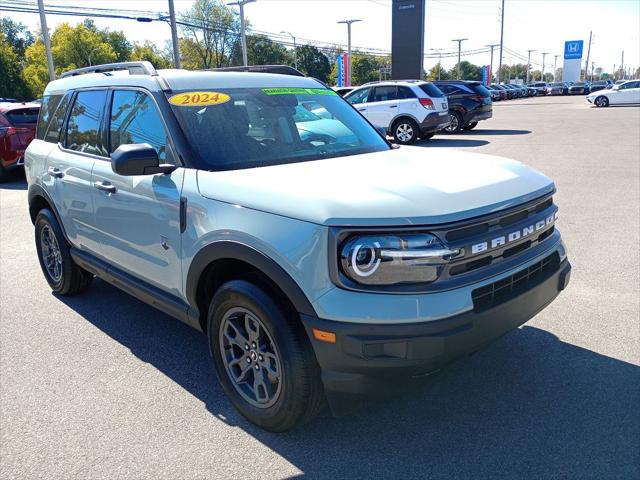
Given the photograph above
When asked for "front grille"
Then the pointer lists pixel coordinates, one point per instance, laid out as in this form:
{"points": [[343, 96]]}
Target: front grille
{"points": [[510, 287]]}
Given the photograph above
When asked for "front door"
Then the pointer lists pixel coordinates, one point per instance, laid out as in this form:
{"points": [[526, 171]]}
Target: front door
{"points": [[383, 106], [138, 217]]}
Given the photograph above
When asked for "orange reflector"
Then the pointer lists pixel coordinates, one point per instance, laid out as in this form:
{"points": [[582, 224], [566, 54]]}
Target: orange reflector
{"points": [[323, 336]]}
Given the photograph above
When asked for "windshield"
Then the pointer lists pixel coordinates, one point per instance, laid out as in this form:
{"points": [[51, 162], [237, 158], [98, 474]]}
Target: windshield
{"points": [[252, 127]]}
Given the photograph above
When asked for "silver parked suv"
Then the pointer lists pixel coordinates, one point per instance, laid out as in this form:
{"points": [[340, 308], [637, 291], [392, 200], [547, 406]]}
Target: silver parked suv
{"points": [[321, 261]]}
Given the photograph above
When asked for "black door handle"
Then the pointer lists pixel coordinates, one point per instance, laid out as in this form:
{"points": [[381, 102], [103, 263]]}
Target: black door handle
{"points": [[55, 172], [105, 187], [393, 106]]}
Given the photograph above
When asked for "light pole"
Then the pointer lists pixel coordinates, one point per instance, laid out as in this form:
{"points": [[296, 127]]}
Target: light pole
{"points": [[241, 4], [529, 63], [349, 22], [459, 40], [555, 66], [47, 41], [439, 50], [91, 53], [501, 43], [492, 47], [544, 54], [295, 58], [593, 64]]}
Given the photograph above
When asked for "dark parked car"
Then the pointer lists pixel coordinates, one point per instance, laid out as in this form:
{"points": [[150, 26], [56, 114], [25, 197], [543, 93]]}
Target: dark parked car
{"points": [[17, 129], [501, 90], [496, 95], [515, 91], [557, 88], [580, 88], [539, 87], [469, 102], [601, 85]]}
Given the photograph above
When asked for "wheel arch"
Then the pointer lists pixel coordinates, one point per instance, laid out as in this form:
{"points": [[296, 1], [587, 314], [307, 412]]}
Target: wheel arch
{"points": [[225, 260], [38, 199]]}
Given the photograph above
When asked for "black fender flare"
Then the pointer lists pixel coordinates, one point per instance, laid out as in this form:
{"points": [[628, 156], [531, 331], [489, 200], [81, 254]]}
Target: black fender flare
{"points": [[233, 250], [36, 190]]}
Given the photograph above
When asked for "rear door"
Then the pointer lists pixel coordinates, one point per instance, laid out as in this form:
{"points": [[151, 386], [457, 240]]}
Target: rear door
{"points": [[137, 218], [383, 105]]}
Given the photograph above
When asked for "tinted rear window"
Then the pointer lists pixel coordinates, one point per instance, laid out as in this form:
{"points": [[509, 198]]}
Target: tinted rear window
{"points": [[481, 89], [22, 115], [49, 105], [431, 90]]}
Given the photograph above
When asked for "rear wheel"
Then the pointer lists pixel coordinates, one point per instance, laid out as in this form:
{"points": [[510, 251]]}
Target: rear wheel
{"points": [[456, 123], [470, 126], [405, 131], [262, 357], [602, 101], [64, 276]]}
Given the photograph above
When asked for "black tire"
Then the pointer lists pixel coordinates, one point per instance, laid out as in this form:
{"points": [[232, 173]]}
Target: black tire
{"points": [[455, 125], [470, 126], [405, 131], [72, 279], [299, 396], [427, 136], [601, 101]]}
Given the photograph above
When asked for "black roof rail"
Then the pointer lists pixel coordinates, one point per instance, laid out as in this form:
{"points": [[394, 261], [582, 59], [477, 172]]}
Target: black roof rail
{"points": [[280, 69], [134, 68]]}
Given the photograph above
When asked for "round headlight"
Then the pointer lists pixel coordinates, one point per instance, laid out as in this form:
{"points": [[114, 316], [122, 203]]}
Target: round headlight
{"points": [[365, 258]]}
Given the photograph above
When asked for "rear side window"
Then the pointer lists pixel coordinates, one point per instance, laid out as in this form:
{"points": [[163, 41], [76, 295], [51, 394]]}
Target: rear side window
{"points": [[135, 119], [49, 105], [53, 132], [431, 90], [22, 115], [405, 92], [385, 93], [84, 122]]}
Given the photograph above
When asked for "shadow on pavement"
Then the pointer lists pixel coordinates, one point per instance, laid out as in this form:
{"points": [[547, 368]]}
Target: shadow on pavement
{"points": [[450, 142], [487, 131], [528, 406]]}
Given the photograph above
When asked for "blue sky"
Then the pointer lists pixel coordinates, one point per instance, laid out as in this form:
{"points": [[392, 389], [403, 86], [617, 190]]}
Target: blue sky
{"points": [[542, 25]]}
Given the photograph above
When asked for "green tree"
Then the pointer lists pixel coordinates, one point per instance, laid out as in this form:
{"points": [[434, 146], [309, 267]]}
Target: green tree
{"points": [[468, 71], [313, 62], [432, 75], [261, 51], [149, 52], [210, 33], [16, 34], [117, 39], [364, 68], [11, 82]]}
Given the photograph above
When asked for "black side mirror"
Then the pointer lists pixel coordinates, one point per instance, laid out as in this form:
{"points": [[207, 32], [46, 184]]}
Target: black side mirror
{"points": [[138, 159]]}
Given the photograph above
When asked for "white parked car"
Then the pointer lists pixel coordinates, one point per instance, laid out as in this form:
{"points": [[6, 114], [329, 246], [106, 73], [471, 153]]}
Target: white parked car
{"points": [[624, 93], [405, 109]]}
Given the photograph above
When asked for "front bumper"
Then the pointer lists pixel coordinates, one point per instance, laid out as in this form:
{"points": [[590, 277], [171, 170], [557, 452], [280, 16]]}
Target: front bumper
{"points": [[367, 359], [434, 122]]}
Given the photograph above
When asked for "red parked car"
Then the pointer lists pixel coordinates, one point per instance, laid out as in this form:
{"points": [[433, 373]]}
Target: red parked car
{"points": [[17, 129]]}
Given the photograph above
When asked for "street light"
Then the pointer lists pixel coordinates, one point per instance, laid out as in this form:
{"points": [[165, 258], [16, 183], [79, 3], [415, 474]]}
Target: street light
{"points": [[349, 22], [439, 50], [529, 63], [555, 66], [492, 46], [295, 58], [459, 40], [544, 54], [241, 4]]}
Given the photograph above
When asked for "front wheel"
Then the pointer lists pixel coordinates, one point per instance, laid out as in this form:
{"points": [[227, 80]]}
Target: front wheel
{"points": [[262, 357], [470, 126], [64, 276], [602, 101], [405, 131], [456, 123]]}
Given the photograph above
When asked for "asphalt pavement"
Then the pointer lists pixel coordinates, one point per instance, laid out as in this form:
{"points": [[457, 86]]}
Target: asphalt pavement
{"points": [[104, 386]]}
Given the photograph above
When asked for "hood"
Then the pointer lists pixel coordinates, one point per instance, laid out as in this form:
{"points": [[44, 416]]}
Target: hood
{"points": [[405, 186]]}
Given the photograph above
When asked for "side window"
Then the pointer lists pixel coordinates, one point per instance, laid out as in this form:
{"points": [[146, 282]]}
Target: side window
{"points": [[382, 94], [47, 109], [404, 93], [83, 126], [52, 130], [358, 96], [135, 119], [447, 89]]}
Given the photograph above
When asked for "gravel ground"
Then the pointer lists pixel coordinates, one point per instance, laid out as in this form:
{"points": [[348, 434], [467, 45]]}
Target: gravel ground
{"points": [[103, 386]]}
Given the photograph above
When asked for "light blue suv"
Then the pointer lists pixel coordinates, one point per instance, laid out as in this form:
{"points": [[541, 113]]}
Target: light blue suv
{"points": [[321, 261]]}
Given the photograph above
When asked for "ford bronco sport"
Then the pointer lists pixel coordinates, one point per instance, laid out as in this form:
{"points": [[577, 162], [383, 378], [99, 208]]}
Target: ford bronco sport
{"points": [[321, 261]]}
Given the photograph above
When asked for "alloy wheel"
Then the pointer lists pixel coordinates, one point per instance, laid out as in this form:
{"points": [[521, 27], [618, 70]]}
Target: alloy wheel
{"points": [[250, 357], [404, 132], [51, 255], [453, 126]]}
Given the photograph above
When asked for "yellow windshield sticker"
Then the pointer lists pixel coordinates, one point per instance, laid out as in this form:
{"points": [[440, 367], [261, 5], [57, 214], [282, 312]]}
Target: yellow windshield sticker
{"points": [[298, 91], [198, 99]]}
